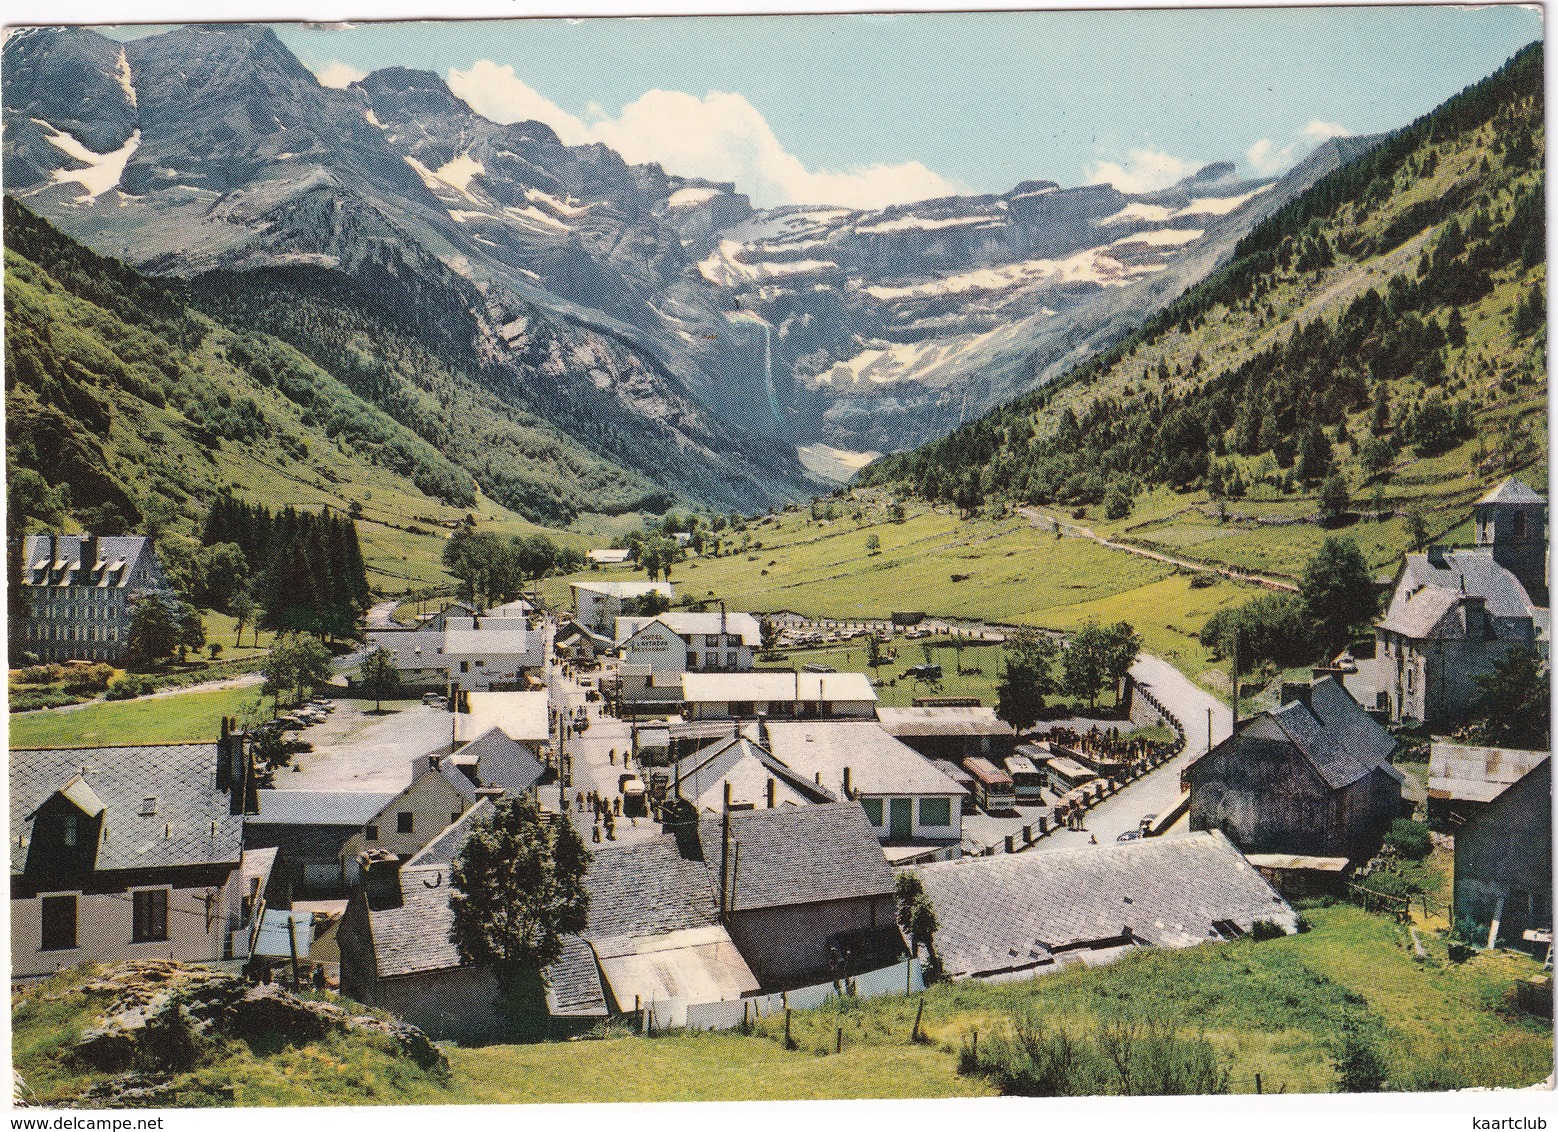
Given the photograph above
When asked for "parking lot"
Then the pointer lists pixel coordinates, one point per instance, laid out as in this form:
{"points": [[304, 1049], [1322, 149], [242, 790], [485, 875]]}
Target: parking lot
{"points": [[356, 748]]}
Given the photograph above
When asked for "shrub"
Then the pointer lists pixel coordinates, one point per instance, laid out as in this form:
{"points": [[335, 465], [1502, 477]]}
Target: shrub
{"points": [[1409, 839], [129, 686], [89, 678], [1266, 929], [41, 674], [1360, 1065], [1120, 1058]]}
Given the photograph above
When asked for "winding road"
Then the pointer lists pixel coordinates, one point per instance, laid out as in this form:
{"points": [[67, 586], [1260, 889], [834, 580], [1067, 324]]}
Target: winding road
{"points": [[1037, 517]]}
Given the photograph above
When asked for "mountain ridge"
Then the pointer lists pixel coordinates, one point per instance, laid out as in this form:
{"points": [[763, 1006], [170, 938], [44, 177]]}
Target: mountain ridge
{"points": [[252, 165]]}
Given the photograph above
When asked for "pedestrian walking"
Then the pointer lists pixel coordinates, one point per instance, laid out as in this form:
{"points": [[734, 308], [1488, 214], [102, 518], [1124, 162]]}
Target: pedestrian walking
{"points": [[613, 756], [616, 805], [595, 833]]}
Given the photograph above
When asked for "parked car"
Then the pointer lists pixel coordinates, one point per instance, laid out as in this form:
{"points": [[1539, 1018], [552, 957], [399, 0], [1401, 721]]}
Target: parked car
{"points": [[1130, 835]]}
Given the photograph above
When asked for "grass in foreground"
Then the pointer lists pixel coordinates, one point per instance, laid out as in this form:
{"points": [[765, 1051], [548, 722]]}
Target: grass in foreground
{"points": [[1275, 1008]]}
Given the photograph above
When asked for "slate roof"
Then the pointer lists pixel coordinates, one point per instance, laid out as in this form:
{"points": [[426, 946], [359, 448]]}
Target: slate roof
{"points": [[123, 551], [768, 687], [190, 826], [877, 763], [319, 807], [1337, 737], [799, 855], [408, 649], [748, 768], [1013, 912], [687, 625], [647, 888], [936, 721], [443, 848], [1512, 490], [573, 987], [1430, 586], [525, 647], [414, 938], [500, 761]]}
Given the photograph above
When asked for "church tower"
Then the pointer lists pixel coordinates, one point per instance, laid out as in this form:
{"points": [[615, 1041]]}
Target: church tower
{"points": [[1511, 521]]}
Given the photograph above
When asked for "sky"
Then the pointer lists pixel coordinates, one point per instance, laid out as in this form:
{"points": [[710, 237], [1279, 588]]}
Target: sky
{"points": [[869, 110]]}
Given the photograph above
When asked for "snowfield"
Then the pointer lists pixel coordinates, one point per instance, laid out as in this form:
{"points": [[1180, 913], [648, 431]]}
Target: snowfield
{"points": [[102, 171], [691, 198]]}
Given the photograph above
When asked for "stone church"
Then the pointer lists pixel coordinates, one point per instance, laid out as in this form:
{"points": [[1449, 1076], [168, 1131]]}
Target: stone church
{"points": [[1454, 613]]}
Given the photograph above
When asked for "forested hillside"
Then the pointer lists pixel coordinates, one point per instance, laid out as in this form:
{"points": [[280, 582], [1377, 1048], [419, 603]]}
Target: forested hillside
{"points": [[1386, 326], [103, 359]]}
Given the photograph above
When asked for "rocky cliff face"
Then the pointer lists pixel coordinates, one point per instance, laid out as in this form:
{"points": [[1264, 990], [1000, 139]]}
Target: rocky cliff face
{"points": [[659, 319]]}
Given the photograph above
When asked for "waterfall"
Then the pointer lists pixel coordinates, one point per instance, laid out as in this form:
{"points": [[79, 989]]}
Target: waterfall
{"points": [[768, 372]]}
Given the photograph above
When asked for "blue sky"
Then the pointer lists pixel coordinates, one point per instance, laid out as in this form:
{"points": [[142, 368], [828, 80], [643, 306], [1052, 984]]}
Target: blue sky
{"points": [[865, 109]]}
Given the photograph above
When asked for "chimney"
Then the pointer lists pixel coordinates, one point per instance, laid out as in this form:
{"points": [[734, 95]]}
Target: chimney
{"points": [[724, 853], [223, 758], [1295, 693], [772, 792], [848, 792], [1476, 614], [88, 555], [493, 792], [379, 870], [1436, 556]]}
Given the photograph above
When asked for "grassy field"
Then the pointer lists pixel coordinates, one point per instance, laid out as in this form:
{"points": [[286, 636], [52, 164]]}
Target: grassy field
{"points": [[1008, 570], [1274, 1008], [190, 717]]}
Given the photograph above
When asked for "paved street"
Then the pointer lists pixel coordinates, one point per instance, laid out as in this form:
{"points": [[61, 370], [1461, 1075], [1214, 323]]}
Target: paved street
{"points": [[593, 765]]}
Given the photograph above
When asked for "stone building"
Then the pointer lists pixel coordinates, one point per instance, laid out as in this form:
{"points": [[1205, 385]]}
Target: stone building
{"points": [[1455, 613], [1504, 861], [78, 590], [1312, 778]]}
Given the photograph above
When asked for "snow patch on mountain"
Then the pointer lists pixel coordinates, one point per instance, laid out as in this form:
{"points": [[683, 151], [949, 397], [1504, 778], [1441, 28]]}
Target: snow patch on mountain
{"points": [[1094, 265], [924, 224], [692, 197], [556, 205], [457, 173], [102, 171], [1137, 210], [1218, 206], [122, 73], [725, 268], [1162, 237]]}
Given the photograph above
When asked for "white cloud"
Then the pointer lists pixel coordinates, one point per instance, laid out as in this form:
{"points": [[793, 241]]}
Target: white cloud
{"points": [[720, 136], [338, 74], [1266, 159], [1143, 171]]}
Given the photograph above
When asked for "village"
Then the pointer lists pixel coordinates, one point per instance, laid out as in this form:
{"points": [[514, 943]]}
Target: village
{"points": [[765, 834]]}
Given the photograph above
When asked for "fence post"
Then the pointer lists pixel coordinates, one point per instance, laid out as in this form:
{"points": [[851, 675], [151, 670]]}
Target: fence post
{"points": [[838, 1040], [914, 1035], [1257, 1084], [789, 1042], [974, 1051]]}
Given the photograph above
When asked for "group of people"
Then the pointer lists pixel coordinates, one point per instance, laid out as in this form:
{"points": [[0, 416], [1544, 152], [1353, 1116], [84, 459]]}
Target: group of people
{"points": [[605, 813]]}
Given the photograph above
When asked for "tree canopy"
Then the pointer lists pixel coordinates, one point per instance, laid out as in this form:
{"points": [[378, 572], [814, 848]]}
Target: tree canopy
{"points": [[518, 890], [1026, 679]]}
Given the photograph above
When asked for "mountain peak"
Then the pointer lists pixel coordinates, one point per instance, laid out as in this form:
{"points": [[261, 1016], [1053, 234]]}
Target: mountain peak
{"points": [[406, 92]]}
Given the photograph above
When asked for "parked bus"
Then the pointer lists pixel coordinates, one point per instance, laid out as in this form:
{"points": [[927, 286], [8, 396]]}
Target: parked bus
{"points": [[993, 789], [1027, 779]]}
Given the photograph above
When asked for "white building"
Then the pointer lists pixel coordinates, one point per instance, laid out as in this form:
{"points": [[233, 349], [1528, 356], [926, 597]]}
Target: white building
{"points": [[599, 604], [476, 654], [906, 799], [778, 695], [674, 643]]}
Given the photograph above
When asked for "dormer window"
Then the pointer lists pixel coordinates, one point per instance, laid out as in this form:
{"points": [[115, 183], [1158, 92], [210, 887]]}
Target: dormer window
{"points": [[70, 831], [1520, 524]]}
